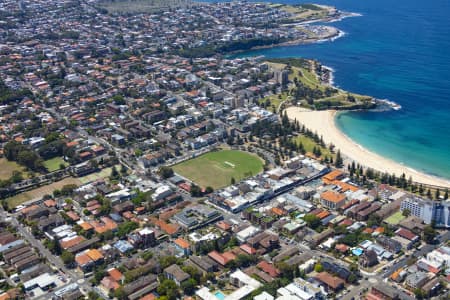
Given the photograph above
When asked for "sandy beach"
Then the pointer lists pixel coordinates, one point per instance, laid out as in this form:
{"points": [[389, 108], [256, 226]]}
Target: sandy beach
{"points": [[323, 123]]}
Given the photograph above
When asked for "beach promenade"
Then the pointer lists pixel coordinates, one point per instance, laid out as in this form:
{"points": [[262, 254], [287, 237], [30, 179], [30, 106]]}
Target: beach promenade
{"points": [[323, 123]]}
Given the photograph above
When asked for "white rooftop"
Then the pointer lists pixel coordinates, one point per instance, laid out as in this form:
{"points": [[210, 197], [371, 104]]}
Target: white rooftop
{"points": [[41, 281]]}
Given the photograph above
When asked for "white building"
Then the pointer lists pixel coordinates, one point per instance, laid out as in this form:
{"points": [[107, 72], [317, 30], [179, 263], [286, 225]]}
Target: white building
{"points": [[247, 233], [43, 281], [301, 289], [246, 285], [162, 192]]}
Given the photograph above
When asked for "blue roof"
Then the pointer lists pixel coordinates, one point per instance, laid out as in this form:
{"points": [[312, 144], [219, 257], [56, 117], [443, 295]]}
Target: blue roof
{"points": [[115, 217], [123, 246]]}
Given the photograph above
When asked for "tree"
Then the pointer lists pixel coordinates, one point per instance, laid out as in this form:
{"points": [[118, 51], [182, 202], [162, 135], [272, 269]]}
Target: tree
{"points": [[354, 267], [352, 278], [16, 177], [168, 288], [126, 228], [419, 293], [93, 164], [166, 261], [114, 174], [406, 212], [209, 190], [312, 220], [193, 272], [437, 194], [120, 294], [373, 220], [233, 181], [53, 246], [166, 172], [98, 275], [318, 268], [123, 170], [196, 191], [338, 162], [15, 151], [244, 260], [429, 234], [68, 189], [287, 270], [67, 258], [188, 286], [93, 296]]}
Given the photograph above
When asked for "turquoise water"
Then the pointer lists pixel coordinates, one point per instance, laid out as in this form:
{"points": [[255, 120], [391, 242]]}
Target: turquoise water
{"points": [[357, 251], [399, 50], [219, 295]]}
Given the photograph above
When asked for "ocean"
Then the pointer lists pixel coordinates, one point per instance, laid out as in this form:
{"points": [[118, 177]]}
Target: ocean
{"points": [[397, 50]]}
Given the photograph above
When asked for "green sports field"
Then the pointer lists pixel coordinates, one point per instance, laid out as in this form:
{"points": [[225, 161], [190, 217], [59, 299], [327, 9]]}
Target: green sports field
{"points": [[395, 218], [216, 168], [54, 164]]}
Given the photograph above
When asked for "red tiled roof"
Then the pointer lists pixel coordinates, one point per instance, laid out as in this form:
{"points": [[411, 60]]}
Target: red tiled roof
{"points": [[222, 259], [330, 280], [115, 274], [323, 214], [72, 242], [182, 243], [50, 203], [332, 196], [223, 225], [109, 283], [269, 268], [82, 259], [248, 249], [342, 248], [346, 222], [148, 297], [405, 233], [333, 175]]}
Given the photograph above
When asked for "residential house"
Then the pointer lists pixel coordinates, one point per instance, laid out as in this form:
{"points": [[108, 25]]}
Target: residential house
{"points": [[175, 273], [368, 259]]}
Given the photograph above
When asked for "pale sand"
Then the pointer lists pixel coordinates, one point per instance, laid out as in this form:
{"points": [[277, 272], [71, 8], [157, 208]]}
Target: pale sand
{"points": [[323, 123]]}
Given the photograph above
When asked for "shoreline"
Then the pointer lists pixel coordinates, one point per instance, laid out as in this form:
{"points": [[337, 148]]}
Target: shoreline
{"points": [[329, 38], [323, 122], [334, 33]]}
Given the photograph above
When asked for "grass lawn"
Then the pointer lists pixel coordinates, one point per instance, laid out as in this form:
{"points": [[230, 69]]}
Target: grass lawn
{"points": [[48, 189], [137, 6], [395, 218], [274, 101], [216, 168], [8, 167], [106, 172], [40, 191], [309, 144], [54, 163]]}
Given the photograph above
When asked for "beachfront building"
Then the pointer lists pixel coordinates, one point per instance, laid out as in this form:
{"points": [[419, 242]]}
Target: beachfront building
{"points": [[428, 211]]}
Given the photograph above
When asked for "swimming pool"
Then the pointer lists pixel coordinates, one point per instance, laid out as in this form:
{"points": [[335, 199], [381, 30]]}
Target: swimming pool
{"points": [[357, 251], [219, 295]]}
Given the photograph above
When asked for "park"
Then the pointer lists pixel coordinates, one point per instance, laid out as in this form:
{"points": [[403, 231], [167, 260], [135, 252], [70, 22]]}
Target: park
{"points": [[218, 169]]}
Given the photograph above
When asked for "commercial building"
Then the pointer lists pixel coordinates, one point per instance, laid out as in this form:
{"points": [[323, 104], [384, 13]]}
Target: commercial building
{"points": [[44, 282], [332, 200]]}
